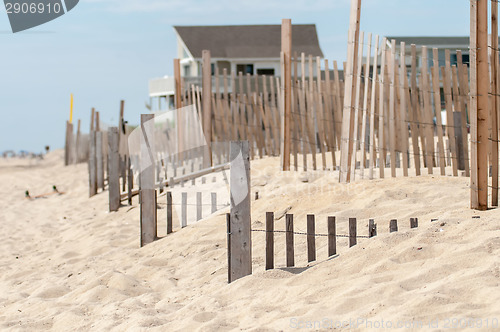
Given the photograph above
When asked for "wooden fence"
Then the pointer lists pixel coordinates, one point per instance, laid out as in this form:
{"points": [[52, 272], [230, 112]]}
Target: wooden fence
{"points": [[311, 236], [76, 146], [397, 118], [398, 112], [239, 230]]}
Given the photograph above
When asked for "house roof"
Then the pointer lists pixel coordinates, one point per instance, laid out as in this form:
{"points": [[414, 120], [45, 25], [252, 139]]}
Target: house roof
{"points": [[443, 42], [247, 41]]}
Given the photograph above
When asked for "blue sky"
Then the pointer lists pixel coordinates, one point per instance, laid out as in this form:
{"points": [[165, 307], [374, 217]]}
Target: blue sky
{"points": [[106, 50]]}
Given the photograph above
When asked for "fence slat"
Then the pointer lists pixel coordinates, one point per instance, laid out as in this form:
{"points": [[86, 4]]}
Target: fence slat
{"points": [[99, 160], [269, 240], [207, 113], [130, 181], [437, 103], [311, 239], [146, 183], [373, 105], [372, 228], [169, 212], [414, 114], [447, 91], [352, 232], [392, 105], [114, 159], [241, 238], [393, 227], [290, 254], [332, 237], [68, 146], [381, 141], [405, 99], [228, 229], [92, 166]]}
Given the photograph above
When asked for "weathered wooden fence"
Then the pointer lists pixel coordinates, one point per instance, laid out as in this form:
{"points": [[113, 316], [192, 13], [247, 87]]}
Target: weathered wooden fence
{"points": [[76, 146], [188, 212], [108, 160], [239, 230], [311, 236], [408, 115]]}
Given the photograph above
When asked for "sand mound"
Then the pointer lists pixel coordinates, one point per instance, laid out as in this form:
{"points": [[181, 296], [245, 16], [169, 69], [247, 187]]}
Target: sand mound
{"points": [[69, 264]]}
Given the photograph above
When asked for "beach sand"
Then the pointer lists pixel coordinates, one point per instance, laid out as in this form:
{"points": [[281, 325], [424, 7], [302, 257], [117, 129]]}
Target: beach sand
{"points": [[69, 264]]}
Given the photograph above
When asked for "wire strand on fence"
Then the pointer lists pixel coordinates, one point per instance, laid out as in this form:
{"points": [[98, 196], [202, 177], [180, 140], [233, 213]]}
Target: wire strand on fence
{"points": [[304, 233]]}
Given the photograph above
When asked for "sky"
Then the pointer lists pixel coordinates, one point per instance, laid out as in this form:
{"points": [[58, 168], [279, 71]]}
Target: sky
{"points": [[103, 51]]}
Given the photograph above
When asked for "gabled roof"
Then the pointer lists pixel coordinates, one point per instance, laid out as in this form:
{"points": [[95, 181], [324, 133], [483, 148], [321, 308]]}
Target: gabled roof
{"points": [[247, 41], [443, 42]]}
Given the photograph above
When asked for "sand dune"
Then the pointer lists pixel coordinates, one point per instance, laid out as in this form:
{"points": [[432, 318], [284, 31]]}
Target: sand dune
{"points": [[68, 264]]}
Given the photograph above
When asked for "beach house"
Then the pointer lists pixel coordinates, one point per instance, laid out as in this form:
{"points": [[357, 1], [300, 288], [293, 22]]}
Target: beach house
{"points": [[250, 49]]}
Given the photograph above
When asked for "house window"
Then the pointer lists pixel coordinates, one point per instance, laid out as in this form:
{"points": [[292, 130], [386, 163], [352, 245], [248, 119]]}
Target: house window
{"points": [[186, 71], [465, 59], [212, 69], [453, 59], [265, 71], [245, 69]]}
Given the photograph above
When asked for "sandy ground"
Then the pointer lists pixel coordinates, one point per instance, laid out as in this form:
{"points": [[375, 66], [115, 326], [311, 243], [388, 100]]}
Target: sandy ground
{"points": [[68, 264]]}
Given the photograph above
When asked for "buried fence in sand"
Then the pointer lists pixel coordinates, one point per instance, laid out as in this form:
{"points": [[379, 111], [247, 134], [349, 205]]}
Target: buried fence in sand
{"points": [[311, 236], [239, 238]]}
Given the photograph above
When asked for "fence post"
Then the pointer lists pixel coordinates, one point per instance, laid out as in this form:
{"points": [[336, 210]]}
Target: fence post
{"points": [[457, 122], [393, 227], [240, 220], [228, 230], [372, 228], [311, 239], [207, 103], [269, 240], [290, 255], [68, 144], [332, 237], [99, 159], [78, 143], [286, 97], [178, 106], [169, 212], [479, 111], [352, 232], [130, 182], [146, 183], [413, 222], [123, 168], [349, 95], [92, 166], [114, 177]]}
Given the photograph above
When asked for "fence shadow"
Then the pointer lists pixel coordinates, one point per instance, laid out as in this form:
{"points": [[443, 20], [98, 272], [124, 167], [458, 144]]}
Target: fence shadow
{"points": [[295, 270]]}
